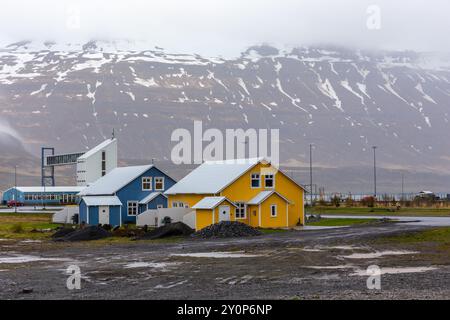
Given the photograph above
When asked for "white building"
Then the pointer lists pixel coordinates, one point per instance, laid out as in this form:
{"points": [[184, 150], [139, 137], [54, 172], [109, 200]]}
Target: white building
{"points": [[97, 162]]}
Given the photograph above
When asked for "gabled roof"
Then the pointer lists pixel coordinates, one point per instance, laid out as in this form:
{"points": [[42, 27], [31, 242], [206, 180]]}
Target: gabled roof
{"points": [[115, 180], [263, 195], [150, 197], [49, 189], [212, 176], [102, 201], [102, 145], [210, 202]]}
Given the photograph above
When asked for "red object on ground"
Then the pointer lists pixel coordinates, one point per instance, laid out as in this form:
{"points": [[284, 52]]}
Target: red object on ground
{"points": [[14, 203]]}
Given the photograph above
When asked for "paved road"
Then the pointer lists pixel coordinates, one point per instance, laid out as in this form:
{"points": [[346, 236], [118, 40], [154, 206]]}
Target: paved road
{"points": [[415, 221], [36, 209]]}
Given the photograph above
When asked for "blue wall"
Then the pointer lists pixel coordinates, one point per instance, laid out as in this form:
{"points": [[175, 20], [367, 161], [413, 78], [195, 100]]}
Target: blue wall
{"points": [[159, 200], [133, 191], [114, 214]]}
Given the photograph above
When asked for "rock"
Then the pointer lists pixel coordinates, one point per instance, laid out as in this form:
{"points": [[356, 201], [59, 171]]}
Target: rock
{"points": [[171, 229], [27, 290], [62, 232], [226, 229], [85, 234]]}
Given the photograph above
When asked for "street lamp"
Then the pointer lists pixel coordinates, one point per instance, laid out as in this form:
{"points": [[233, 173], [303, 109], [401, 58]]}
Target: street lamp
{"points": [[310, 175], [374, 172], [15, 189]]}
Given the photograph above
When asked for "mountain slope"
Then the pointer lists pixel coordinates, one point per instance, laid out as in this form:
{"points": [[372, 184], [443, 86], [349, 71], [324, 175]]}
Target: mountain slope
{"points": [[344, 101]]}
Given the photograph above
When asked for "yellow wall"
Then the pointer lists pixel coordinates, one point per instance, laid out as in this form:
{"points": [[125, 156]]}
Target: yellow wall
{"points": [[204, 217], [190, 199], [241, 190]]}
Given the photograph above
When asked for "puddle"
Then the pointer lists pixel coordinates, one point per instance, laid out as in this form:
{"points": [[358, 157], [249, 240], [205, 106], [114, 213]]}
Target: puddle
{"points": [[170, 285], [27, 258], [30, 241], [399, 270], [311, 250], [236, 254], [156, 265], [377, 254]]}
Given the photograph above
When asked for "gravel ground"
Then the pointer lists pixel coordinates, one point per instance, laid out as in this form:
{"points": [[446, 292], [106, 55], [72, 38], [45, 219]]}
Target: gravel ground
{"points": [[320, 264]]}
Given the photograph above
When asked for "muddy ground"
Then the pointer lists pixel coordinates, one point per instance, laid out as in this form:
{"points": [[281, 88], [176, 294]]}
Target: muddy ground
{"points": [[320, 264]]}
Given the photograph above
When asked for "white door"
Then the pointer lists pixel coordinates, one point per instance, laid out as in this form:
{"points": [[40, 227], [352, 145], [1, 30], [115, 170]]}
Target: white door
{"points": [[224, 213], [103, 215]]}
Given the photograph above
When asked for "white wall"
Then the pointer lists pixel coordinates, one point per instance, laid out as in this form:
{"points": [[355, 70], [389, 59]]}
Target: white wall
{"points": [[148, 217], [92, 165]]}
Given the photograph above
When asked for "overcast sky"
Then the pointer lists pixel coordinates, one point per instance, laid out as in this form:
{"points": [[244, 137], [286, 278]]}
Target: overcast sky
{"points": [[223, 27]]}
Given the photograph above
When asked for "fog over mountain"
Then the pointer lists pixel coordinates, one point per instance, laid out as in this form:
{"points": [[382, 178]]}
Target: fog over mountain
{"points": [[72, 95]]}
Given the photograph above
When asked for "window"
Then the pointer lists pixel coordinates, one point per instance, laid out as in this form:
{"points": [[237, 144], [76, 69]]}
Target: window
{"points": [[273, 210], [159, 183], [103, 163], [179, 205], [269, 181], [132, 208], [186, 205], [255, 180], [146, 183], [240, 210], [159, 206]]}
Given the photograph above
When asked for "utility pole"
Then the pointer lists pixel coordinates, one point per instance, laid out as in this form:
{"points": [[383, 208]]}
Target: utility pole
{"points": [[15, 189], [403, 186], [310, 175], [374, 172]]}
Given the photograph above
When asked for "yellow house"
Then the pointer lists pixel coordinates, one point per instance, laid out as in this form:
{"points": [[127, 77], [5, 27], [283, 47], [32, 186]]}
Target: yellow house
{"points": [[251, 191]]}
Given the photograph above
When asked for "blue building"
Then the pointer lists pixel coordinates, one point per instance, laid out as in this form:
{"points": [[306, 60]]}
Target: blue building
{"points": [[35, 196], [119, 196]]}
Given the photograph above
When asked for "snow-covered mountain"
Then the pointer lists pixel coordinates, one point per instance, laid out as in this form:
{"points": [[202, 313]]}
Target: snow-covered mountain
{"points": [[71, 96]]}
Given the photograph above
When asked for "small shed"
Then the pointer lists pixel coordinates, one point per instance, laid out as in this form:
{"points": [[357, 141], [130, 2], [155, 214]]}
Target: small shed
{"points": [[211, 210], [101, 210]]}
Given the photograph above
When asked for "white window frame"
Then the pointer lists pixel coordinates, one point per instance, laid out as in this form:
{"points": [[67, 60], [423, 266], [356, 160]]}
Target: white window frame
{"points": [[238, 203], [271, 212], [174, 204], [128, 208], [159, 206], [252, 179], [148, 182], [273, 181], [163, 183]]}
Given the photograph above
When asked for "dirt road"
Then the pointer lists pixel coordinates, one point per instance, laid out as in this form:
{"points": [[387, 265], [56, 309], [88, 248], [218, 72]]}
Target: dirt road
{"points": [[322, 264]]}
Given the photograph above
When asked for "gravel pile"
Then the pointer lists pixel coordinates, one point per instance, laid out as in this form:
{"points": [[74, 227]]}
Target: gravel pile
{"points": [[227, 229], [85, 234], [62, 232], [168, 230]]}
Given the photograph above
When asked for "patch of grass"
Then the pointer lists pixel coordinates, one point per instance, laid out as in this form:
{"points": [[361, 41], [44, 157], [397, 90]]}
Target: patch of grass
{"points": [[381, 211], [17, 228], [20, 226], [437, 235], [335, 222]]}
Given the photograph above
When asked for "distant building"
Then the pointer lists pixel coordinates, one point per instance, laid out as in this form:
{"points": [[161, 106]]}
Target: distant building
{"points": [[32, 196], [97, 162], [119, 196]]}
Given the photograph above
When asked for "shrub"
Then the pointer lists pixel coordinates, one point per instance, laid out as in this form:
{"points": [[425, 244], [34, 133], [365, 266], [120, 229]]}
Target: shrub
{"points": [[368, 201], [336, 201], [17, 228]]}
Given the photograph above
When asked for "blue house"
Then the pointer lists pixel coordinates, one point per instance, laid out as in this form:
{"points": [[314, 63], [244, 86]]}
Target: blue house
{"points": [[119, 196]]}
